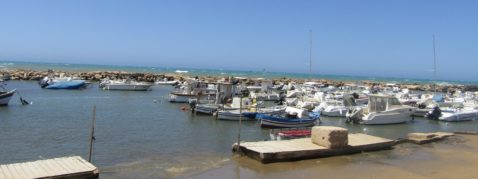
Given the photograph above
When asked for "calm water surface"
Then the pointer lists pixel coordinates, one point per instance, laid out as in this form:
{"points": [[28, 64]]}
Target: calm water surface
{"points": [[140, 133]]}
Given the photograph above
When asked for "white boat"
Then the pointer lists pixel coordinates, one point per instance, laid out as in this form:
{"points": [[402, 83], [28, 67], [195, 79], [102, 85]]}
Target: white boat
{"points": [[206, 108], [166, 82], [125, 85], [331, 109], [182, 71], [381, 109], [176, 97], [235, 115], [5, 97], [453, 112]]}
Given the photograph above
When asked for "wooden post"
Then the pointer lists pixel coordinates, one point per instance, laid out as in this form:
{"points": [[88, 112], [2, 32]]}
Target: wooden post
{"points": [[92, 134]]}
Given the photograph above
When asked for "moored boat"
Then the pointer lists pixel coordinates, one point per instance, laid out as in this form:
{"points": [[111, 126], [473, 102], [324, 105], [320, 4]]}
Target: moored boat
{"points": [[292, 117], [125, 85], [235, 115], [381, 109], [5, 97], [62, 83]]}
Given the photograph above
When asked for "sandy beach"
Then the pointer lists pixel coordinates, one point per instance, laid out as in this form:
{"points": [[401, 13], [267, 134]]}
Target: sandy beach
{"points": [[455, 157]]}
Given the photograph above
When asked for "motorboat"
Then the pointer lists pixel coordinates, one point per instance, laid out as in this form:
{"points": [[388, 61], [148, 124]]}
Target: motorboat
{"points": [[166, 82], [124, 85], [62, 83], [381, 109], [453, 112]]}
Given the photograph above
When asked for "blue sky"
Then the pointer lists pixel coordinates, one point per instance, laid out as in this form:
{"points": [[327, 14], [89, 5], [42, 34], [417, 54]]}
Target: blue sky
{"points": [[366, 37]]}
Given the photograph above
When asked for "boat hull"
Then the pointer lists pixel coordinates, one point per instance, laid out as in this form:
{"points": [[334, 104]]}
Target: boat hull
{"points": [[462, 116], [268, 121], [206, 109], [5, 97], [235, 116], [180, 98], [334, 113], [75, 84], [390, 117], [125, 87]]}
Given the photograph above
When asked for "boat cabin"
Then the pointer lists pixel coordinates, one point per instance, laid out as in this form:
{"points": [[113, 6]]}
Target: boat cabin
{"points": [[380, 103]]}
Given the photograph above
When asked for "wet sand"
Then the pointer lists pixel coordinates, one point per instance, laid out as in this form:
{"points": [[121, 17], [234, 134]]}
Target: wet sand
{"points": [[455, 157]]}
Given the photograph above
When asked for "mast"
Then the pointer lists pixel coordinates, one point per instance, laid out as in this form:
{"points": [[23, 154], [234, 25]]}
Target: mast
{"points": [[310, 53], [434, 65]]}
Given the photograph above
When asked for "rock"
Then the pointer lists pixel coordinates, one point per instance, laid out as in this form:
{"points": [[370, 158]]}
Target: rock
{"points": [[330, 136]]}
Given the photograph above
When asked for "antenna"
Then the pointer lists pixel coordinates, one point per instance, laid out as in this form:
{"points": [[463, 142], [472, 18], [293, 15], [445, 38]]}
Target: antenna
{"points": [[434, 64]]}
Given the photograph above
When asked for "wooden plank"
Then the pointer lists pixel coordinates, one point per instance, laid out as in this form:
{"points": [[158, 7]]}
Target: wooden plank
{"points": [[32, 169], [77, 166], [46, 171], [6, 172], [88, 164], [58, 169], [24, 171], [66, 165], [18, 172]]}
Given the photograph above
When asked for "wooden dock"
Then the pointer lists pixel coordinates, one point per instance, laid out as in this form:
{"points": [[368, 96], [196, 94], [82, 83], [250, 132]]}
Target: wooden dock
{"points": [[298, 149], [65, 167]]}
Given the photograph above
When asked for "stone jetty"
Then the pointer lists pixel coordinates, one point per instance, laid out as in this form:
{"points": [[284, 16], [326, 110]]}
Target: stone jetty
{"points": [[28, 74]]}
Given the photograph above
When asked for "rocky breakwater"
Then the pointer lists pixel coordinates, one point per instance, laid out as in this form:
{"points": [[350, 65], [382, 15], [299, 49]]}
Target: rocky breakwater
{"points": [[25, 74]]}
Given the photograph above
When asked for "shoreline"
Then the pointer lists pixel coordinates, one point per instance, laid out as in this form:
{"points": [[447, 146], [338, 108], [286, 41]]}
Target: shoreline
{"points": [[95, 76]]}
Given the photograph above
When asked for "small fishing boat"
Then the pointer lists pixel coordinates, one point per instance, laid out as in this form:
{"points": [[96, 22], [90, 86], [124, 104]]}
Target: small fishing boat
{"points": [[166, 82], [290, 133], [293, 117], [125, 85], [272, 110], [206, 108], [235, 115], [5, 97], [5, 77], [62, 83]]}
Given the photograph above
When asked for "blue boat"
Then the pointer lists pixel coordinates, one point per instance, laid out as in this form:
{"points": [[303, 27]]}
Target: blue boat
{"points": [[62, 83], [288, 119], [75, 84]]}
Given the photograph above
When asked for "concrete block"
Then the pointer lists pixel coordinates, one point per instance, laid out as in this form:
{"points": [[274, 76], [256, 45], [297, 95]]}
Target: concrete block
{"points": [[422, 138], [330, 136]]}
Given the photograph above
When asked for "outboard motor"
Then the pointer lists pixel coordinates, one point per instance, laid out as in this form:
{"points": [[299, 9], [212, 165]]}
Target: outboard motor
{"points": [[44, 82], [354, 115], [422, 106], [435, 114], [193, 104]]}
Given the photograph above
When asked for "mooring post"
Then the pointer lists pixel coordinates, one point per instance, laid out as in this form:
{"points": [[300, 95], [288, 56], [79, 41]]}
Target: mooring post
{"points": [[92, 134], [240, 124]]}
